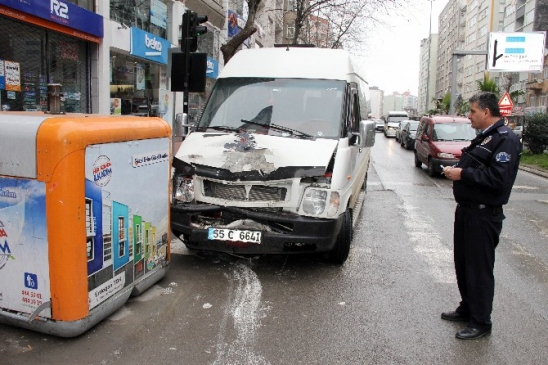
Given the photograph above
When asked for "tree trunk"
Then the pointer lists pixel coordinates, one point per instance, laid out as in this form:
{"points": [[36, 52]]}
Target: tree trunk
{"points": [[229, 48]]}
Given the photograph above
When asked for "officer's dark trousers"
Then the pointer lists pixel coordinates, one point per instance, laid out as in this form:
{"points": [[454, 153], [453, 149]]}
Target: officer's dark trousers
{"points": [[476, 236]]}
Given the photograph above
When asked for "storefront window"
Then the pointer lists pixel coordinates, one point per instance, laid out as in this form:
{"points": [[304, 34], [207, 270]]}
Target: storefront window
{"points": [[43, 57], [135, 85], [148, 15]]}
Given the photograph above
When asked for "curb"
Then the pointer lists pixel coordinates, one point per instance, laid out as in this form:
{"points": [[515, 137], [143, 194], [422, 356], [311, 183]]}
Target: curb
{"points": [[534, 171]]}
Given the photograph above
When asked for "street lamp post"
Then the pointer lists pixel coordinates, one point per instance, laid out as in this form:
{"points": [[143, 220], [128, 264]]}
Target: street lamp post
{"points": [[428, 60]]}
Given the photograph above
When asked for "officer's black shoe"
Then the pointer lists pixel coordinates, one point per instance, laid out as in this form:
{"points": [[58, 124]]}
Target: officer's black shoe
{"points": [[455, 316], [471, 333]]}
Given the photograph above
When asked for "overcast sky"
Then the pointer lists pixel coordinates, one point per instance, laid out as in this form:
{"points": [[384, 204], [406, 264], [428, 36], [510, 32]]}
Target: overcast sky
{"points": [[390, 59]]}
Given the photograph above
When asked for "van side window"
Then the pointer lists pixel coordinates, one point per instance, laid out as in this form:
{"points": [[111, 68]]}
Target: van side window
{"points": [[427, 129], [356, 114]]}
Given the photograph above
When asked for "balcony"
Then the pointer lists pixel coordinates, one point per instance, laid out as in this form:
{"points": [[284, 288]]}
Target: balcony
{"points": [[535, 85]]}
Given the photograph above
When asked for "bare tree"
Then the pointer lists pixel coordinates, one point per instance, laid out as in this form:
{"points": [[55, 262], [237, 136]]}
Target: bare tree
{"points": [[347, 20]]}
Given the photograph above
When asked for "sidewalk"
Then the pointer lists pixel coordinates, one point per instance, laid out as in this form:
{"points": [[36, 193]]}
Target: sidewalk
{"points": [[534, 170]]}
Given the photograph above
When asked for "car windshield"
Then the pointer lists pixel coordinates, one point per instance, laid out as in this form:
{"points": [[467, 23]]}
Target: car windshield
{"points": [[282, 107], [413, 126], [453, 132]]}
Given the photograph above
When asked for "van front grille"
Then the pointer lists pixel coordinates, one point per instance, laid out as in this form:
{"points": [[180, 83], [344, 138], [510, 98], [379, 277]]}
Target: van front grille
{"points": [[256, 193]]}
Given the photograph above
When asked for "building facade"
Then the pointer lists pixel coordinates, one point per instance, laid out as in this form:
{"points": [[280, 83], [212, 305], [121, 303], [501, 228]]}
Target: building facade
{"points": [[376, 97], [427, 74]]}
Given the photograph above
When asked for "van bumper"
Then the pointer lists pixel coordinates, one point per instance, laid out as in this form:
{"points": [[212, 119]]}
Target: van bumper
{"points": [[308, 235]]}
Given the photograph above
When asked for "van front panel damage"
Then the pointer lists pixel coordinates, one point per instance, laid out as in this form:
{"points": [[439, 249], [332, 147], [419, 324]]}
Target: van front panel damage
{"points": [[253, 183]]}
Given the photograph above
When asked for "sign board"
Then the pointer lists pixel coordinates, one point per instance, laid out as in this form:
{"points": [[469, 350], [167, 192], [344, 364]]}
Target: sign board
{"points": [[516, 52], [506, 101], [505, 111]]}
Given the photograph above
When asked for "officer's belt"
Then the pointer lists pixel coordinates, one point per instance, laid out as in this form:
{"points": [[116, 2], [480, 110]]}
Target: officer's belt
{"points": [[494, 208]]}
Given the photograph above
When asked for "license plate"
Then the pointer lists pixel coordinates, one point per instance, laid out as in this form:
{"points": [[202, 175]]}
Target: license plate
{"points": [[223, 234]]}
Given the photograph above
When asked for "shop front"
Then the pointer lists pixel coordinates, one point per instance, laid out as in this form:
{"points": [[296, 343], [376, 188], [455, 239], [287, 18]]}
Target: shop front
{"points": [[138, 79], [44, 45]]}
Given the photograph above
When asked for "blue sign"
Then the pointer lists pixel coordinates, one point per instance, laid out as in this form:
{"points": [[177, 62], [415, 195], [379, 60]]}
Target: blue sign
{"points": [[60, 12], [149, 46], [212, 70], [31, 281]]}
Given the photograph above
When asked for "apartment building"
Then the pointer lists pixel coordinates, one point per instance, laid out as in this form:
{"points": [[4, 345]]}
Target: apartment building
{"points": [[427, 74], [376, 100]]}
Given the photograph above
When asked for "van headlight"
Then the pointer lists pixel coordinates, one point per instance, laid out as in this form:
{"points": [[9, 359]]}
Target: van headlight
{"points": [[334, 202], [314, 201], [184, 188], [446, 155]]}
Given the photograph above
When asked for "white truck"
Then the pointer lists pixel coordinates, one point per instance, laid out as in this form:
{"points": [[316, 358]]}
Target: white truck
{"points": [[278, 160]]}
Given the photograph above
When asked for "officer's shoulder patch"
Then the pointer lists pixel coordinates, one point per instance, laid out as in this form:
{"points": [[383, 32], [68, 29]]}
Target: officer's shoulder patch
{"points": [[502, 157], [486, 140]]}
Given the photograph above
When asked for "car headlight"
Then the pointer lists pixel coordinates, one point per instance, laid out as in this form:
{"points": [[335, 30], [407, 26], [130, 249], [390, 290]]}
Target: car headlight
{"points": [[446, 155], [184, 188], [314, 201]]}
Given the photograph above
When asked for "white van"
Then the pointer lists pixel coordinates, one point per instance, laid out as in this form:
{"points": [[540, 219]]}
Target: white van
{"points": [[278, 160], [392, 121]]}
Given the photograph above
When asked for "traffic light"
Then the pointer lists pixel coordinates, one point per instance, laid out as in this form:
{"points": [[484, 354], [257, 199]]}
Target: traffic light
{"points": [[191, 29]]}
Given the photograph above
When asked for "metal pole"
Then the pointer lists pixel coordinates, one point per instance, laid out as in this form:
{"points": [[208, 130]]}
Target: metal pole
{"points": [[428, 62], [456, 55]]}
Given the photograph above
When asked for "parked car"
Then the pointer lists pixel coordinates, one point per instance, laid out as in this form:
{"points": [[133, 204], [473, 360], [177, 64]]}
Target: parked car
{"points": [[407, 138], [439, 141], [379, 125], [401, 126]]}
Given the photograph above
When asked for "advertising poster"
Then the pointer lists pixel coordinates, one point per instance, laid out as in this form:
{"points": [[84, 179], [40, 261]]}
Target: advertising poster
{"points": [[116, 106], [164, 97], [127, 209], [232, 24], [12, 72], [2, 77], [139, 77], [158, 13], [24, 265]]}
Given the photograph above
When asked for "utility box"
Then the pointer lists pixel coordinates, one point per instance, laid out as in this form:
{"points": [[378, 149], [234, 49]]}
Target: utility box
{"points": [[84, 216]]}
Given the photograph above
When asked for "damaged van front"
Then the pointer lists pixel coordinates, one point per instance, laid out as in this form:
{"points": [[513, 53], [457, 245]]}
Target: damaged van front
{"points": [[278, 161]]}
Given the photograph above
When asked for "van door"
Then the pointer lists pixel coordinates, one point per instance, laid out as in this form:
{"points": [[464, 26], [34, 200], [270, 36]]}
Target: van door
{"points": [[358, 154], [422, 145]]}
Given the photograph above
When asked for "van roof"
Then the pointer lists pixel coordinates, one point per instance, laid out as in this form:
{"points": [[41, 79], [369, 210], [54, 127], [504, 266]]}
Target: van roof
{"points": [[447, 119], [292, 62]]}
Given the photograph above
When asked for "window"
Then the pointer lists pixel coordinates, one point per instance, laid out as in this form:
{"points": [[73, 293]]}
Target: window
{"points": [[533, 100], [290, 31], [121, 237]]}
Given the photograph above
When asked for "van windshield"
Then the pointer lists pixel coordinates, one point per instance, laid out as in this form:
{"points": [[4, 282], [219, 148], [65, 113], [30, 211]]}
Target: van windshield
{"points": [[453, 132], [275, 106], [393, 119]]}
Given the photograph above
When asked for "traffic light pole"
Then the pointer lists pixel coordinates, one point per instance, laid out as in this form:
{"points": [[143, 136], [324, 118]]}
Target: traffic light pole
{"points": [[186, 39]]}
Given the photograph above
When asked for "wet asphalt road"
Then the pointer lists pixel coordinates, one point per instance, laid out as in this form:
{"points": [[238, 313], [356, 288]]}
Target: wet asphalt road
{"points": [[381, 307]]}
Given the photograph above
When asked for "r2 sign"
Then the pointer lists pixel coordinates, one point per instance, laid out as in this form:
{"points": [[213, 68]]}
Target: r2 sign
{"points": [[59, 9]]}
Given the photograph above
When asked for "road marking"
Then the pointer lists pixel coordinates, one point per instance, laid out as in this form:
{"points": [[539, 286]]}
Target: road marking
{"points": [[244, 307], [427, 242]]}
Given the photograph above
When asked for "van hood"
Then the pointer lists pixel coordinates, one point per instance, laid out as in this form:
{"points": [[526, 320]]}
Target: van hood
{"points": [[242, 153], [454, 147]]}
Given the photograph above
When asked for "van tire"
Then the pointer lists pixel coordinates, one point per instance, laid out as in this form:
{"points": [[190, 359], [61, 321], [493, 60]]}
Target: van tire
{"points": [[418, 162], [431, 171], [339, 253]]}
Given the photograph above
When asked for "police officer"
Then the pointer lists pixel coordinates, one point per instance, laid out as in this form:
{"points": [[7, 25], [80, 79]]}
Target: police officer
{"points": [[482, 181]]}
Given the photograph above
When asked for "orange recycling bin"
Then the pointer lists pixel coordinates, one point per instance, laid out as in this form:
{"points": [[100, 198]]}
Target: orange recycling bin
{"points": [[84, 216]]}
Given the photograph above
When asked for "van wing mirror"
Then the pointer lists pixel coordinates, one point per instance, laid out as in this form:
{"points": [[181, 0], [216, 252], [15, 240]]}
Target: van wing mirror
{"points": [[367, 133], [424, 138]]}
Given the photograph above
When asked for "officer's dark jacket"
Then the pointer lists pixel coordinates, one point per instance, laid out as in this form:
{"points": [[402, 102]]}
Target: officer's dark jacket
{"points": [[489, 167]]}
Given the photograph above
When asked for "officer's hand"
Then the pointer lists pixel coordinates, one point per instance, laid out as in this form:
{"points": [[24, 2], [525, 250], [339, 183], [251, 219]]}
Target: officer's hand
{"points": [[452, 173]]}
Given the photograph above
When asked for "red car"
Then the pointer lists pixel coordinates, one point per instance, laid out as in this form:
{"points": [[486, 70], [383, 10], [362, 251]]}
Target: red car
{"points": [[439, 141]]}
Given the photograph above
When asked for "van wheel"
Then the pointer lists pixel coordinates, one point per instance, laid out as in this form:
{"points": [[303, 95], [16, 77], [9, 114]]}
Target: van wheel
{"points": [[418, 163], [431, 171], [339, 253]]}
